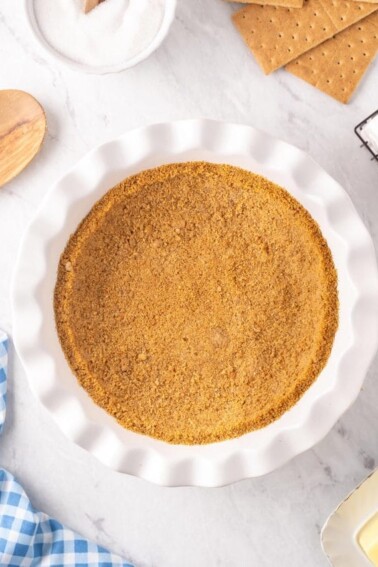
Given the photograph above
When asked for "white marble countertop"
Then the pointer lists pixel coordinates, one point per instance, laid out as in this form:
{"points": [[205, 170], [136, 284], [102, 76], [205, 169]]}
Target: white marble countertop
{"points": [[202, 70]]}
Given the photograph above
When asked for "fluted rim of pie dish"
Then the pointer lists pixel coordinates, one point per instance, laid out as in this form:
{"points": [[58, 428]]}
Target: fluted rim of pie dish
{"points": [[255, 453]]}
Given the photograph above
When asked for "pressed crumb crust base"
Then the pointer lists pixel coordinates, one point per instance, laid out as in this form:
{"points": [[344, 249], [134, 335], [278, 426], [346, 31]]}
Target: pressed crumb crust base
{"points": [[196, 302]]}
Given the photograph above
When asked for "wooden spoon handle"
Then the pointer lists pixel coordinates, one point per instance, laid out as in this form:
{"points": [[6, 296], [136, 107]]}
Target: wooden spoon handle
{"points": [[90, 4]]}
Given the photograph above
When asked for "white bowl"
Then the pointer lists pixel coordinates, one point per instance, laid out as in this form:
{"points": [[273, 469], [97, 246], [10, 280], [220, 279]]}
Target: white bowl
{"points": [[255, 453], [169, 14]]}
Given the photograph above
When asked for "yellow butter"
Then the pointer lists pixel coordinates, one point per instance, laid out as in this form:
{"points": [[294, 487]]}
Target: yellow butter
{"points": [[368, 539]]}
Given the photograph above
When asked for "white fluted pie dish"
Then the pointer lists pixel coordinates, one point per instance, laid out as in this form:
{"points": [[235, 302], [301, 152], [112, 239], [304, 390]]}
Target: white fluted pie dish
{"points": [[255, 453]]}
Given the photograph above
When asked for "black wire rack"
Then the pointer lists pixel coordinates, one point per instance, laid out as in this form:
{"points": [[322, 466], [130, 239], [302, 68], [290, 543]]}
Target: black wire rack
{"points": [[359, 131]]}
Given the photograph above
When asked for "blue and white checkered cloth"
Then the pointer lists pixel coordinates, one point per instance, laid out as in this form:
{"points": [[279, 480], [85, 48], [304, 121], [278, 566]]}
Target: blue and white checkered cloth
{"points": [[29, 538], [3, 376]]}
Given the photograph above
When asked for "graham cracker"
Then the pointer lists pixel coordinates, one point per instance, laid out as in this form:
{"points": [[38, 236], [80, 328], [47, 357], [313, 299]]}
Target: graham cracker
{"points": [[276, 36], [337, 66], [283, 3]]}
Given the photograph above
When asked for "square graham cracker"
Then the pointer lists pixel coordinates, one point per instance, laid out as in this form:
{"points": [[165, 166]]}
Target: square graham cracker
{"points": [[283, 3], [276, 35], [337, 66]]}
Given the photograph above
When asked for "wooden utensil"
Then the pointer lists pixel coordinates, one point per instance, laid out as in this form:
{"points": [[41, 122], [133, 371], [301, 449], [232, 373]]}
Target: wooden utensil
{"points": [[22, 129], [90, 4]]}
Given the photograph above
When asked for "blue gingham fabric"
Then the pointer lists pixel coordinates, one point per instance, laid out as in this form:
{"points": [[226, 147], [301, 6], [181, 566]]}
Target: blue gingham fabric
{"points": [[3, 376], [29, 538]]}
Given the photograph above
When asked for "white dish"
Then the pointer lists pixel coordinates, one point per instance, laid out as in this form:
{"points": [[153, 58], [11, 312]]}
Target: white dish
{"points": [[253, 454], [340, 532], [169, 14]]}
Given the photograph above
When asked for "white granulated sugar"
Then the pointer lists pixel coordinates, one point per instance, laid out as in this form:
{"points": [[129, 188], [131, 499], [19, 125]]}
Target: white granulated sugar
{"points": [[112, 33]]}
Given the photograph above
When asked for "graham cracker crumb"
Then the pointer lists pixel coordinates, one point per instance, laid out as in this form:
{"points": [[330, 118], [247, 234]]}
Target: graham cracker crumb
{"points": [[201, 302]]}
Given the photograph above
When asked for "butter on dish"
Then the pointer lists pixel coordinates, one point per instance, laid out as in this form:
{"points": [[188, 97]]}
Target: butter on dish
{"points": [[350, 535], [368, 539]]}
